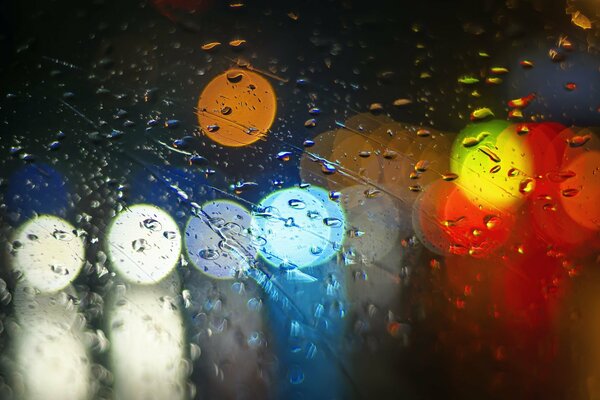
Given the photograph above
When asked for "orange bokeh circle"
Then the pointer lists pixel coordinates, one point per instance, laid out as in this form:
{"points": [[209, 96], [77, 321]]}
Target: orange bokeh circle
{"points": [[237, 108]]}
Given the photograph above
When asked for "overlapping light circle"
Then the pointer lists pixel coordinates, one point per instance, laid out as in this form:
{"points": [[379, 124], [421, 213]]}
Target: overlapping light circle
{"points": [[143, 243]]}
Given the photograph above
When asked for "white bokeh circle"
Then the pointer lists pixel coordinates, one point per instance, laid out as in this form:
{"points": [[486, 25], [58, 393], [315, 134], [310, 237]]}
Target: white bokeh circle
{"points": [[144, 244], [48, 253]]}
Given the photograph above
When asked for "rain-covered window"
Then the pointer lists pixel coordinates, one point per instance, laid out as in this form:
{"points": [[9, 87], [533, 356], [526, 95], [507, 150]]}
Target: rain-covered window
{"points": [[316, 199]]}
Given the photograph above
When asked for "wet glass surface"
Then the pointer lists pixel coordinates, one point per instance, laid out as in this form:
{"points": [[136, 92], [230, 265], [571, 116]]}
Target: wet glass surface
{"points": [[205, 199]]}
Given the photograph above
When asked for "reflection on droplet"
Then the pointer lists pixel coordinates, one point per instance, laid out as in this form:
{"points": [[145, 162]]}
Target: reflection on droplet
{"points": [[151, 224], [296, 375], [297, 204], [170, 235], [571, 192], [62, 235], [139, 245], [332, 222], [209, 254]]}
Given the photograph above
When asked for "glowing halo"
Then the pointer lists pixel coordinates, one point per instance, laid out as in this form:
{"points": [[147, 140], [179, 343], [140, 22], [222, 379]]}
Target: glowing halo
{"points": [[143, 243], [300, 227], [218, 242], [48, 252]]}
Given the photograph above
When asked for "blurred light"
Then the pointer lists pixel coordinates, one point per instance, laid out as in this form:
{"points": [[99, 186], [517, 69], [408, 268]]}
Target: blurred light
{"points": [[148, 345], [143, 243], [218, 241], [47, 252], [237, 108], [300, 227], [51, 359], [474, 163]]}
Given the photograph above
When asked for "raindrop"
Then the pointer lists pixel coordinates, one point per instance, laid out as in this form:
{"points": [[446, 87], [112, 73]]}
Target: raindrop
{"points": [[332, 222], [570, 192], [297, 204], [170, 235], [139, 245], [449, 176], [284, 155], [209, 254], [62, 235], [151, 224]]}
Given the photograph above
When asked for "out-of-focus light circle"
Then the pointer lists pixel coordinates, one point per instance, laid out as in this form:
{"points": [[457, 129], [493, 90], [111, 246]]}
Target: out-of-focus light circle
{"points": [[218, 241], [237, 108], [579, 193], [298, 227], [374, 224], [48, 252], [447, 222], [357, 156], [144, 244], [563, 209], [492, 161], [583, 207]]}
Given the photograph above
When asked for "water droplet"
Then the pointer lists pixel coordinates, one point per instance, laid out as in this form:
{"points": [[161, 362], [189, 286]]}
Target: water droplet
{"points": [[170, 235], [488, 152], [289, 222], [31, 236], [297, 204], [578, 141], [371, 193], [234, 76], [327, 168], [332, 222], [491, 221], [526, 186], [355, 233], [210, 46], [139, 245], [572, 192], [308, 143], [335, 196], [59, 269], [172, 123], [390, 154], [423, 132], [313, 214], [296, 375], [495, 169], [62, 235], [212, 128], [209, 254], [226, 110], [151, 224], [376, 107], [310, 123], [449, 176], [284, 155], [421, 166], [237, 42], [314, 111], [316, 250]]}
